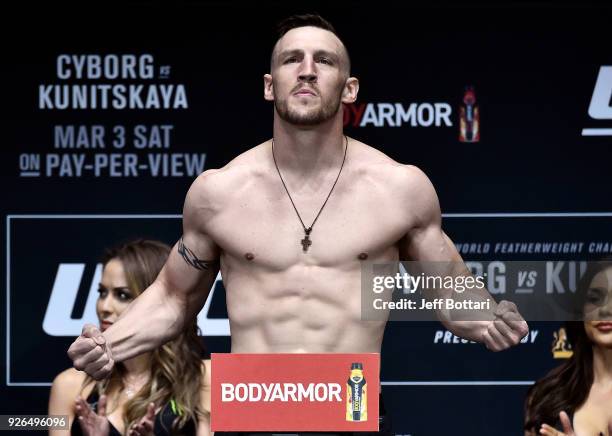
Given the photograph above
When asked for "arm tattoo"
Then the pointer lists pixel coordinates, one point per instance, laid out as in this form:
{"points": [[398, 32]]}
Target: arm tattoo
{"points": [[191, 259]]}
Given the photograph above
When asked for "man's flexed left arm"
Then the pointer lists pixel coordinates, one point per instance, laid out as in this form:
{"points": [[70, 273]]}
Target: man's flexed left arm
{"points": [[497, 325]]}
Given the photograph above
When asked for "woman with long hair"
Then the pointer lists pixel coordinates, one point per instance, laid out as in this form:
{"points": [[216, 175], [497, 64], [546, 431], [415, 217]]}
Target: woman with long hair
{"points": [[166, 391], [576, 397]]}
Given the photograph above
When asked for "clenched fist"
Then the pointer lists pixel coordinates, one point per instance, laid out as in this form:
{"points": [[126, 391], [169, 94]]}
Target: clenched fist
{"points": [[506, 330], [90, 353]]}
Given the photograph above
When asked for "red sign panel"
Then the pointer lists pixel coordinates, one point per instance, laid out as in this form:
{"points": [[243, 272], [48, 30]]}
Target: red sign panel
{"points": [[295, 392]]}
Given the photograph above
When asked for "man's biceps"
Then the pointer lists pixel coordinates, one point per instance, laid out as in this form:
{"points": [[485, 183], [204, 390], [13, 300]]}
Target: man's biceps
{"points": [[431, 244], [424, 237], [177, 275], [180, 276], [197, 250]]}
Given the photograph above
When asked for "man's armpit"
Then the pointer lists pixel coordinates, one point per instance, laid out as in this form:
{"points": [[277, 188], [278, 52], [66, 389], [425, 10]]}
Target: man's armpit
{"points": [[192, 260]]}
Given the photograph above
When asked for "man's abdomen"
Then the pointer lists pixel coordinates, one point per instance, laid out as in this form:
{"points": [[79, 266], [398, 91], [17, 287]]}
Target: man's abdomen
{"points": [[318, 312]]}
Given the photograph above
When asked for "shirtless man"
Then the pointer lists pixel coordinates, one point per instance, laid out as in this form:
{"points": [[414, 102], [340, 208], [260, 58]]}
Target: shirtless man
{"points": [[288, 289]]}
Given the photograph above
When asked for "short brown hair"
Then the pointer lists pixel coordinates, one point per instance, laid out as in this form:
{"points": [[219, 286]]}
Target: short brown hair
{"points": [[314, 20], [304, 20]]}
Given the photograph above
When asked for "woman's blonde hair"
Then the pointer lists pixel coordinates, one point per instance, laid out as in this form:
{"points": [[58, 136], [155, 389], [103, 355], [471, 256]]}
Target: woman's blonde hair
{"points": [[176, 367]]}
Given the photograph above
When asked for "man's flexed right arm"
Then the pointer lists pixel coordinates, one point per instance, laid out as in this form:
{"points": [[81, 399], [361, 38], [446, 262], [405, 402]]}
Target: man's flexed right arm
{"points": [[162, 311]]}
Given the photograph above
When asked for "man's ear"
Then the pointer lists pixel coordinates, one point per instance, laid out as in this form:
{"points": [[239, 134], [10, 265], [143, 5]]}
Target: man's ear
{"points": [[268, 87], [351, 88]]}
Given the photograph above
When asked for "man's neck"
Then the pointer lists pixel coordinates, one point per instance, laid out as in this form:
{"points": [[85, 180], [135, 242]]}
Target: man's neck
{"points": [[308, 152]]}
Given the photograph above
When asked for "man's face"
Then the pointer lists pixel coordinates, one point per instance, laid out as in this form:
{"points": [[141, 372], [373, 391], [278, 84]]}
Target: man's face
{"points": [[309, 76]]}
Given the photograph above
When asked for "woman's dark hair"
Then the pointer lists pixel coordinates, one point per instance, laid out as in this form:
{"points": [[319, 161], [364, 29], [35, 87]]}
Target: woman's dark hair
{"points": [[567, 386]]}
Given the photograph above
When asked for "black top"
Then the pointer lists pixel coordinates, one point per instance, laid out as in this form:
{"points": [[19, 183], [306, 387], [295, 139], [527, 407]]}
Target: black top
{"points": [[161, 427]]}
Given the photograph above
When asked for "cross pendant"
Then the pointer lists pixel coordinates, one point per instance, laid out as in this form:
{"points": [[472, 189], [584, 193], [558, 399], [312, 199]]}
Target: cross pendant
{"points": [[306, 242]]}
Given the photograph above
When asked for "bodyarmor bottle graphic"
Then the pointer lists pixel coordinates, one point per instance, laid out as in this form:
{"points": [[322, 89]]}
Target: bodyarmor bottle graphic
{"points": [[356, 395], [469, 117]]}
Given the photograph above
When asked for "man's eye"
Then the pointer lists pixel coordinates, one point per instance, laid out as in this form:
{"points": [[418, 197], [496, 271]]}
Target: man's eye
{"points": [[325, 61], [290, 60]]}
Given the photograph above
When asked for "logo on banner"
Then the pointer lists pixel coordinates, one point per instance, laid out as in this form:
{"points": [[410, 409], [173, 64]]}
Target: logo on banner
{"points": [[356, 395], [398, 115], [58, 320], [561, 348], [469, 117], [295, 392], [600, 107]]}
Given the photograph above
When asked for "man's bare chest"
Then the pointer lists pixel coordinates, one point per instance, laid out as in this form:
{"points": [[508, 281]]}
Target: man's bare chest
{"points": [[265, 228]]}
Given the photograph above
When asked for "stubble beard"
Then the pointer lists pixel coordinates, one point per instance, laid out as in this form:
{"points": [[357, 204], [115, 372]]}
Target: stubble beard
{"points": [[315, 116]]}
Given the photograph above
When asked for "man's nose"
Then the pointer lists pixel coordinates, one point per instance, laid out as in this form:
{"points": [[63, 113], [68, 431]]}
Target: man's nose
{"points": [[308, 71]]}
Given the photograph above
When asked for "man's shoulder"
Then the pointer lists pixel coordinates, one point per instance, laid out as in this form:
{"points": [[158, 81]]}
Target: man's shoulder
{"points": [[376, 166], [404, 184], [239, 171]]}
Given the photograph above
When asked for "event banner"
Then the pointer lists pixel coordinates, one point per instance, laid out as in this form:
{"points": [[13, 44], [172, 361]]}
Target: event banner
{"points": [[295, 392]]}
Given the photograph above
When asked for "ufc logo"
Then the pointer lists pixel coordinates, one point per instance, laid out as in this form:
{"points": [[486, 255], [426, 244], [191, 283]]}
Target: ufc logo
{"points": [[58, 320], [601, 106]]}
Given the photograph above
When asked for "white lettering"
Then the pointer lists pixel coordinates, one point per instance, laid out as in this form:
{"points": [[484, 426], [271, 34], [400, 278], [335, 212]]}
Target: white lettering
{"points": [[424, 120], [402, 115], [395, 114], [116, 96], [227, 392], [369, 116], [283, 392], [110, 66], [600, 107]]}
